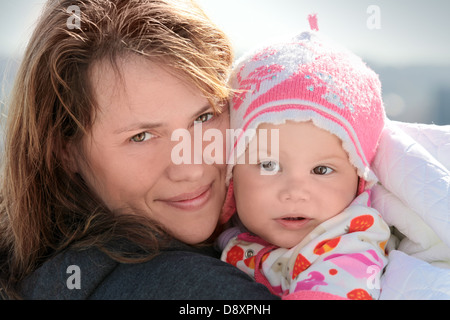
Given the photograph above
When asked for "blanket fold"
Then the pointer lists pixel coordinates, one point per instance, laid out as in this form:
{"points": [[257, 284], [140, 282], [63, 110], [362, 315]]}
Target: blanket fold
{"points": [[413, 196]]}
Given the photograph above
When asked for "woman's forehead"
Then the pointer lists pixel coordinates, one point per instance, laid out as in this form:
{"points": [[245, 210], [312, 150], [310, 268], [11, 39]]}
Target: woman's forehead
{"points": [[142, 90]]}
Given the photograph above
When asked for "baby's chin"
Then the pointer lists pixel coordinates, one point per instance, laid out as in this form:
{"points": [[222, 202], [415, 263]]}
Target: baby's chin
{"points": [[287, 243]]}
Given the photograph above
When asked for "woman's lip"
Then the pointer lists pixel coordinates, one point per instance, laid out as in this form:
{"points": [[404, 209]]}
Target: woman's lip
{"points": [[292, 224], [190, 200]]}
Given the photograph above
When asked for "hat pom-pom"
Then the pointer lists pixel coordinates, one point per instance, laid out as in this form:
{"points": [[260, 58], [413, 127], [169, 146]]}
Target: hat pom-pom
{"points": [[312, 18]]}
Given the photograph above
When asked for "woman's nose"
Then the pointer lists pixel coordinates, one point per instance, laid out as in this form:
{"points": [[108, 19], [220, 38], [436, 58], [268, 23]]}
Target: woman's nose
{"points": [[185, 172], [190, 168]]}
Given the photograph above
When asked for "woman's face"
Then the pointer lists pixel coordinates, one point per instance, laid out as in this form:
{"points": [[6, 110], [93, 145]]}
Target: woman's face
{"points": [[129, 160]]}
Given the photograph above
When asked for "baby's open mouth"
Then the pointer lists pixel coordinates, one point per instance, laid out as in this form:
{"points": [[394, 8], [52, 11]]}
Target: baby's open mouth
{"points": [[293, 223], [293, 218]]}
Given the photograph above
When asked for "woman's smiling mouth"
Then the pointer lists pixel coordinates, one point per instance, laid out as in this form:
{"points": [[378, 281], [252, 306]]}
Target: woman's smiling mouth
{"points": [[190, 200]]}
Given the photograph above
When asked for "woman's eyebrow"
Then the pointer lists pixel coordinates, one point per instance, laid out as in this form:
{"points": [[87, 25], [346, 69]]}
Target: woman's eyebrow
{"points": [[152, 125], [202, 110], [137, 126]]}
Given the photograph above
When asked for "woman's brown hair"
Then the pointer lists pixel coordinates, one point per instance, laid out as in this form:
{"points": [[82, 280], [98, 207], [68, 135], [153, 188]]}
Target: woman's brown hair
{"points": [[44, 206]]}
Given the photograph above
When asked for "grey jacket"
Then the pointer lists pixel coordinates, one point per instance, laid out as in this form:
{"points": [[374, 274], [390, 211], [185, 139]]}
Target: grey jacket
{"points": [[181, 272]]}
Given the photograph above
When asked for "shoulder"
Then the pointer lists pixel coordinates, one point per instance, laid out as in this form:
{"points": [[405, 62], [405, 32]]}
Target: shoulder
{"points": [[71, 274], [180, 275], [176, 274]]}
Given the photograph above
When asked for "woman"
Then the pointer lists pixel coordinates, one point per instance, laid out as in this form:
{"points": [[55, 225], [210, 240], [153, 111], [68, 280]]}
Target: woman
{"points": [[92, 203]]}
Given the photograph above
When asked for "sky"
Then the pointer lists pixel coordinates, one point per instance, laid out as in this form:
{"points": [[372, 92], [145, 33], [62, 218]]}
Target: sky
{"points": [[407, 42], [400, 32]]}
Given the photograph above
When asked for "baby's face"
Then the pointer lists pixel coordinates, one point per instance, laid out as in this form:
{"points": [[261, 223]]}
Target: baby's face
{"points": [[284, 198]]}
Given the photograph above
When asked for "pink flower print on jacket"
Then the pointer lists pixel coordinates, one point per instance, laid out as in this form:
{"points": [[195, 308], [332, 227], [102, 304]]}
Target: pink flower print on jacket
{"points": [[357, 264], [315, 279]]}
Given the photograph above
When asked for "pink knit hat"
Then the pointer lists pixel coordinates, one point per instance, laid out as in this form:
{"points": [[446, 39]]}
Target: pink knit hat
{"points": [[308, 78]]}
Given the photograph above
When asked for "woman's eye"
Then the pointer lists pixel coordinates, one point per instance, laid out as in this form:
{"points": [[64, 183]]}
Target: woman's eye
{"points": [[141, 137], [322, 170], [270, 166], [204, 117]]}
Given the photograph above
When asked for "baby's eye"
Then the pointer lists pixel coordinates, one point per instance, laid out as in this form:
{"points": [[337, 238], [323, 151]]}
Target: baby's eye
{"points": [[204, 117], [270, 166], [322, 170], [141, 137]]}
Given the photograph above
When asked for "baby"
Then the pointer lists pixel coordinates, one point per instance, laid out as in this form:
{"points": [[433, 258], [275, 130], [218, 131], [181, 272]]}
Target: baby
{"points": [[307, 229]]}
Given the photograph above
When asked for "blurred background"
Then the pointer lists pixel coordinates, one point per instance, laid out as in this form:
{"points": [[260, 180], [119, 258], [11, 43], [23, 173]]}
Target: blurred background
{"points": [[407, 42]]}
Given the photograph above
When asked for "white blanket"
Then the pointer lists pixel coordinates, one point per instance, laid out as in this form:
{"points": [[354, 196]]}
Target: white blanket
{"points": [[413, 164]]}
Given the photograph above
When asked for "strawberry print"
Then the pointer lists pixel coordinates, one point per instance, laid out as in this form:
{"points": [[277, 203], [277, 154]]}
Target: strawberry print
{"points": [[361, 223], [301, 264], [326, 245], [359, 294], [250, 262], [234, 255]]}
